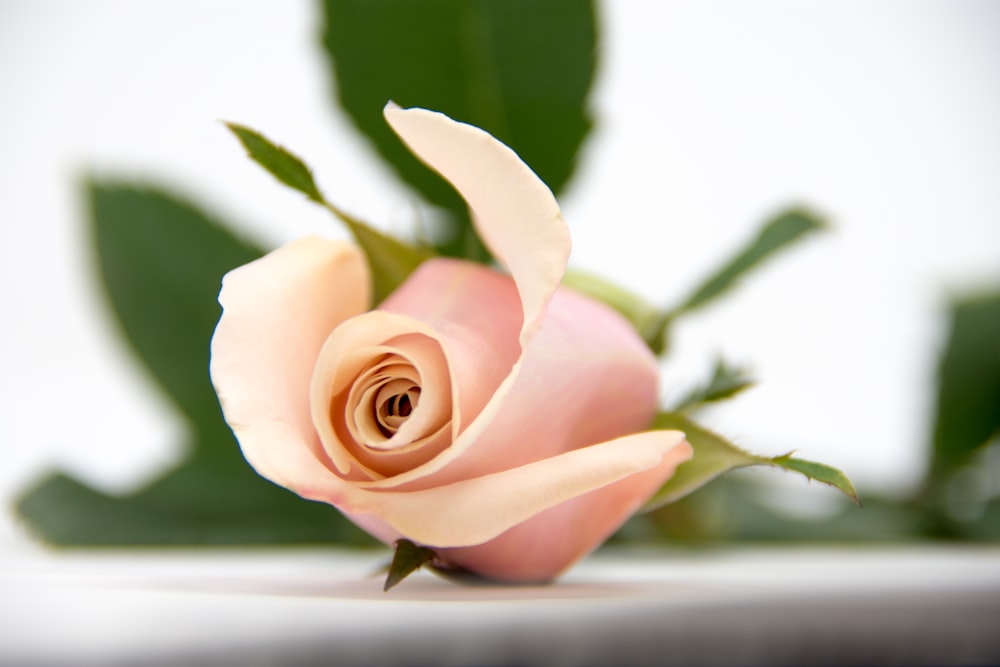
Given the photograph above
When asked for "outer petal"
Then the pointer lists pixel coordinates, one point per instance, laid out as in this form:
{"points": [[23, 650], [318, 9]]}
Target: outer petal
{"points": [[277, 311], [477, 316], [477, 510], [515, 213], [584, 378], [269, 407], [588, 379], [519, 220], [546, 544]]}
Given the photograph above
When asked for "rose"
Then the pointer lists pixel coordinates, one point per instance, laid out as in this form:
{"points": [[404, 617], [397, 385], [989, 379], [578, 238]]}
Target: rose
{"points": [[496, 418]]}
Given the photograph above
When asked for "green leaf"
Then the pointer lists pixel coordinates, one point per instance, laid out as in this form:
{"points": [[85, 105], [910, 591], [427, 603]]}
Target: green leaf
{"points": [[968, 395], [777, 234], [735, 508], [642, 315], [391, 260], [161, 260], [726, 382], [654, 326], [715, 455], [194, 504], [407, 559], [281, 164], [519, 69]]}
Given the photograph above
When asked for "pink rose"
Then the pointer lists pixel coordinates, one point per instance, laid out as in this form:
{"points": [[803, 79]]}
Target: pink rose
{"points": [[493, 417]]}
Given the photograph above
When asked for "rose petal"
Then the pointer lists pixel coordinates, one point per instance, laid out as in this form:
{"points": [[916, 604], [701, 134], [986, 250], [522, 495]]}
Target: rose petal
{"points": [[476, 314], [261, 365], [277, 311], [514, 212], [585, 378], [519, 220], [476, 510], [347, 354], [542, 547]]}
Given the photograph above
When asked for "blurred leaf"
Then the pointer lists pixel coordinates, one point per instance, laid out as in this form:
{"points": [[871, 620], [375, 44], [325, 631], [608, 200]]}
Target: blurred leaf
{"points": [[281, 164], [714, 455], [195, 504], [726, 382], [968, 397], [518, 69], [162, 261], [640, 313], [960, 497], [733, 507], [777, 234], [391, 260]]}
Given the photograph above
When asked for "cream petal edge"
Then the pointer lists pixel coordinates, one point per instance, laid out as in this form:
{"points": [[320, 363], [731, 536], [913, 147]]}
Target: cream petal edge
{"points": [[476, 510], [276, 435], [514, 212], [517, 217]]}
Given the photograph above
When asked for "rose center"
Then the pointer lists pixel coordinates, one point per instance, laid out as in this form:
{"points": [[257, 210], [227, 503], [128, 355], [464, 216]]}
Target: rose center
{"points": [[400, 405], [393, 408]]}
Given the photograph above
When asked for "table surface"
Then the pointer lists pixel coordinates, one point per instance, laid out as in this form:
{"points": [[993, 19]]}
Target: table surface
{"points": [[742, 606]]}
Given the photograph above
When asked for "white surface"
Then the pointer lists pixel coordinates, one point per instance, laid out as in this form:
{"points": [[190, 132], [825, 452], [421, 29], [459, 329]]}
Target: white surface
{"points": [[710, 116], [749, 607]]}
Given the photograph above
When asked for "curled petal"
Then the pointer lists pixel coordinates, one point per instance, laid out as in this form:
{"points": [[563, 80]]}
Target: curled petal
{"points": [[519, 220], [514, 212], [277, 311]]}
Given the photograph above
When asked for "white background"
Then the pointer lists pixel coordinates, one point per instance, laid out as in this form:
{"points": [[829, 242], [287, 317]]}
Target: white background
{"points": [[711, 116]]}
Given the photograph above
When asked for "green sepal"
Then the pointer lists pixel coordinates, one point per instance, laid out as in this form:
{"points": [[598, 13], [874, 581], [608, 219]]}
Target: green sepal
{"points": [[715, 455], [819, 472], [726, 381], [391, 260], [778, 233], [653, 324], [406, 559], [280, 163]]}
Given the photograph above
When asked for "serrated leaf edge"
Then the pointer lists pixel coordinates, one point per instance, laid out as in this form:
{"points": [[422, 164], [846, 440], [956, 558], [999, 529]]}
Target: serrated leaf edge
{"points": [[843, 484]]}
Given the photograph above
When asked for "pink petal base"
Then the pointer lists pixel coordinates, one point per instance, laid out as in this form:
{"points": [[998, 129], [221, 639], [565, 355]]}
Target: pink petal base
{"points": [[543, 547]]}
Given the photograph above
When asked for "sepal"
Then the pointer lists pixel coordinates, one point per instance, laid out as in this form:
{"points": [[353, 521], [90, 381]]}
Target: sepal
{"points": [[715, 455], [391, 260], [407, 558], [726, 382]]}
